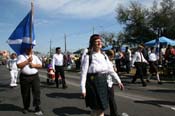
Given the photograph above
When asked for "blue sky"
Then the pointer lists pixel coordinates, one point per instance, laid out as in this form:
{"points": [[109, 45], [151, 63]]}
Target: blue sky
{"points": [[55, 18]]}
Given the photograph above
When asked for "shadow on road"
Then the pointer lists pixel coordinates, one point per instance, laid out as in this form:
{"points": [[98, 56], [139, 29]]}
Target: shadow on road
{"points": [[9, 107], [64, 95], [163, 91], [46, 85], [1, 90], [157, 103], [66, 111], [4, 85]]}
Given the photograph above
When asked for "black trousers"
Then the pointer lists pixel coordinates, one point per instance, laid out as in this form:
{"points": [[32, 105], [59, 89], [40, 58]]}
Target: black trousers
{"points": [[128, 67], [139, 72], [118, 64], [112, 102], [30, 83], [59, 71]]}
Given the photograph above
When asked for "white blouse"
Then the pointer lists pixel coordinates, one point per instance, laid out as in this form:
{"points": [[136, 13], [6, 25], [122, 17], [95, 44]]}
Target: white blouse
{"points": [[99, 64], [111, 76], [153, 57]]}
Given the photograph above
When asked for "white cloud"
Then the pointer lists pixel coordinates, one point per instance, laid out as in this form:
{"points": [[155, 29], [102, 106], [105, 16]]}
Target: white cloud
{"points": [[89, 8], [77, 8], [51, 5], [82, 8], [41, 21], [148, 3], [4, 24]]}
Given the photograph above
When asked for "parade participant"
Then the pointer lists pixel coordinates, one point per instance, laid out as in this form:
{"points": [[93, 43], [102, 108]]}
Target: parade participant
{"points": [[83, 55], [118, 59], [11, 65], [127, 59], [153, 61], [58, 61], [112, 102], [138, 61], [94, 71], [29, 79]]}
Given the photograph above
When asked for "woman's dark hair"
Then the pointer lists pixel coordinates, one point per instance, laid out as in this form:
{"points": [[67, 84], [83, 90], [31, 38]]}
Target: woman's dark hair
{"points": [[93, 38]]}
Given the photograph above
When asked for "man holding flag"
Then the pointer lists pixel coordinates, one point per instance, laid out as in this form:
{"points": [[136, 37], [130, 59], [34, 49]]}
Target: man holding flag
{"points": [[22, 41]]}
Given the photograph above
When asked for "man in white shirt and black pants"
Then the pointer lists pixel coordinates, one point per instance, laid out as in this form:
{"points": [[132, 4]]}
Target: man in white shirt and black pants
{"points": [[29, 79], [58, 66], [138, 61]]}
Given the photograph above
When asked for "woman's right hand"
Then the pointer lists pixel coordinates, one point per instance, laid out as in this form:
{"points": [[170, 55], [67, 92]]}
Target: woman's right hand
{"points": [[121, 86], [83, 95]]}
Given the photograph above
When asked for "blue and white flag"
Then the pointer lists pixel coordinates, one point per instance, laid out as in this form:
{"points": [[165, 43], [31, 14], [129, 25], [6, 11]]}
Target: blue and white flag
{"points": [[23, 36]]}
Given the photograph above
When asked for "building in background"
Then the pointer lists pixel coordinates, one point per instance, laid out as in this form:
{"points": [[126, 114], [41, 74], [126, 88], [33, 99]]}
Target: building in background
{"points": [[4, 55]]}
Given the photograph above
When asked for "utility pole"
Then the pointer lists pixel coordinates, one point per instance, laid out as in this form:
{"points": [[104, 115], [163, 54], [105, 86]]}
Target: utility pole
{"points": [[50, 47], [65, 42], [93, 29]]}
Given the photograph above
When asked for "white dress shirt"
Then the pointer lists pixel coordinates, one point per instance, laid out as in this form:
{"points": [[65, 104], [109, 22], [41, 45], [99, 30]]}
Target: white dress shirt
{"points": [[138, 57], [57, 60], [12, 64], [27, 69], [99, 64]]}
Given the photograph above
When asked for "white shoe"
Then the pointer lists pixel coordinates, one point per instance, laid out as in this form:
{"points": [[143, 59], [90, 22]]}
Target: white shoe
{"points": [[39, 113], [13, 84], [124, 114]]}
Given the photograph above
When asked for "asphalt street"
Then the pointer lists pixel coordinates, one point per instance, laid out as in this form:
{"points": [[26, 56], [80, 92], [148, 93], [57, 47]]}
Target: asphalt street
{"points": [[135, 100]]}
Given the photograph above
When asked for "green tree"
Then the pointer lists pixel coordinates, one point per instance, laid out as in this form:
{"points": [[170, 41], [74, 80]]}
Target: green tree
{"points": [[144, 24], [108, 38], [162, 19], [135, 20]]}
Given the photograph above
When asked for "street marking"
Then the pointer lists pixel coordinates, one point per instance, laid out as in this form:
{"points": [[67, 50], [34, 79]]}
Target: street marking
{"points": [[168, 106], [173, 108]]}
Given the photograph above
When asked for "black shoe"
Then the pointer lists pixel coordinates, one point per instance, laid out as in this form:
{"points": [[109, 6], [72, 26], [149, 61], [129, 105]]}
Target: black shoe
{"points": [[159, 82], [57, 86], [37, 108], [25, 111], [132, 81], [38, 111], [147, 81], [64, 86], [144, 85]]}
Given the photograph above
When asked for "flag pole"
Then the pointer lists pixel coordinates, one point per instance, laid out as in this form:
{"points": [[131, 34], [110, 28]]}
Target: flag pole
{"points": [[31, 24]]}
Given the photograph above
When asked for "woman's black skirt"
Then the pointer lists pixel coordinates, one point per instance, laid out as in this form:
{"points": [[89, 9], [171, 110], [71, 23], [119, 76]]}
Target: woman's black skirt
{"points": [[96, 91], [153, 67]]}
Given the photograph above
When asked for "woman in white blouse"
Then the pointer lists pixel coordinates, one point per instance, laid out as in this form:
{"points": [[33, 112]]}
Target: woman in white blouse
{"points": [[153, 61], [95, 68]]}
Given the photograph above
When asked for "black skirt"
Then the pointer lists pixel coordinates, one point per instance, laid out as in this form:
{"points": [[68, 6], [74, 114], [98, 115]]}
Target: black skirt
{"points": [[153, 67], [96, 91]]}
